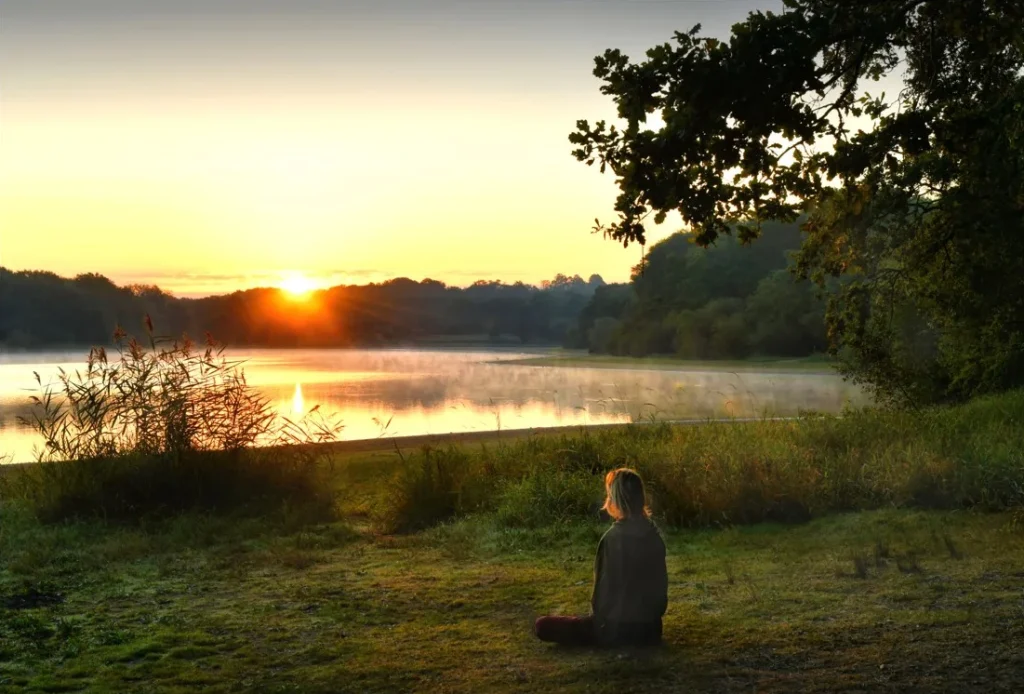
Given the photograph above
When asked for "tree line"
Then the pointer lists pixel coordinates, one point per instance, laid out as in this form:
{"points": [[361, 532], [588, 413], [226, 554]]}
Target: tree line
{"points": [[42, 309], [729, 300]]}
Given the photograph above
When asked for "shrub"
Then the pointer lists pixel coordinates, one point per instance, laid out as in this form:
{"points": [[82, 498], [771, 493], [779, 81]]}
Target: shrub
{"points": [[164, 429], [548, 497], [725, 473], [426, 490], [129, 487]]}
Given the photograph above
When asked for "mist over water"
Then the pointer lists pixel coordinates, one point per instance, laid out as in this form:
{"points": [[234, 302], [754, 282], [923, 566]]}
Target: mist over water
{"points": [[388, 393]]}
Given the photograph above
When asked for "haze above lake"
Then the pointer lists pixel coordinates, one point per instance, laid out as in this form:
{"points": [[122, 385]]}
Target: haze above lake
{"points": [[388, 393]]}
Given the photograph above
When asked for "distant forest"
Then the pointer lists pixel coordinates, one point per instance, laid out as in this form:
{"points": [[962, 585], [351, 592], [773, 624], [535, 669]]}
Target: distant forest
{"points": [[727, 301], [41, 309]]}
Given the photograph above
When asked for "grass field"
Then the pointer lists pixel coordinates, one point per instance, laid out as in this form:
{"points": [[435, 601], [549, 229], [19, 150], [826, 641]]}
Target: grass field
{"points": [[880, 601], [901, 569]]}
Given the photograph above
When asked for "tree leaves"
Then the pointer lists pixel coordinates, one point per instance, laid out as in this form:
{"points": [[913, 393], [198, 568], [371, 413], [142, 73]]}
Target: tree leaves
{"points": [[934, 178]]}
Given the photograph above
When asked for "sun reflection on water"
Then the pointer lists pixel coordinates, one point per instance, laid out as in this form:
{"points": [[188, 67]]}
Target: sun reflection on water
{"points": [[388, 393]]}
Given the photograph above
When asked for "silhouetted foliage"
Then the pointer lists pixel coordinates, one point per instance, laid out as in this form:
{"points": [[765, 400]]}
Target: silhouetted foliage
{"points": [[165, 426], [725, 301], [920, 213], [40, 309]]}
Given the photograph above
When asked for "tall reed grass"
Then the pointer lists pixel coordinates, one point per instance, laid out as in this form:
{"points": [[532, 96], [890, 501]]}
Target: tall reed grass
{"points": [[722, 473], [165, 427]]}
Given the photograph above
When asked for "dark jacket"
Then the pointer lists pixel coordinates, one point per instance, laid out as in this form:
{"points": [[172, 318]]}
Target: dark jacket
{"points": [[630, 582]]}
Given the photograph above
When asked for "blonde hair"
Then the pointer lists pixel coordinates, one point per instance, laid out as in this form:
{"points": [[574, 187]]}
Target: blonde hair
{"points": [[625, 495]]}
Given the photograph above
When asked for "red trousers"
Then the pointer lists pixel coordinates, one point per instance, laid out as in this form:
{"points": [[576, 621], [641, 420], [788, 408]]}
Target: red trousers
{"points": [[583, 631], [567, 631]]}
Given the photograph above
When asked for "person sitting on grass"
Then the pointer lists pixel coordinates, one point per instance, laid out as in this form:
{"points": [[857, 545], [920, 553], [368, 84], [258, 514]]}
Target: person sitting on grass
{"points": [[630, 579]]}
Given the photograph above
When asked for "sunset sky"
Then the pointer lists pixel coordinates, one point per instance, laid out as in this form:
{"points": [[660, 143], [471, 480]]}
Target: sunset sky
{"points": [[212, 145]]}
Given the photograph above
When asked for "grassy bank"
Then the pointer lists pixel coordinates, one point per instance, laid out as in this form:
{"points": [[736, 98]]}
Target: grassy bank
{"points": [[726, 473], [667, 363], [889, 600], [873, 552]]}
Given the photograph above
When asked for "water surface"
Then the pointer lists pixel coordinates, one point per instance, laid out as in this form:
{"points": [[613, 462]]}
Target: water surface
{"points": [[411, 392]]}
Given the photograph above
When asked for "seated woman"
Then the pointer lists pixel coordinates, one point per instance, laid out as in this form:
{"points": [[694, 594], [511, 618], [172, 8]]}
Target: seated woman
{"points": [[630, 580]]}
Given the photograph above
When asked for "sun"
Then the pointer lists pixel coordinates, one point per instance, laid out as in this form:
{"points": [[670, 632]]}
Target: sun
{"points": [[297, 286]]}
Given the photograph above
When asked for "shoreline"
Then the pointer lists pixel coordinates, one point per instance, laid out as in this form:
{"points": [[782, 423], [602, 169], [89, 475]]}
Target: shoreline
{"points": [[550, 359], [587, 361], [462, 438], [466, 437]]}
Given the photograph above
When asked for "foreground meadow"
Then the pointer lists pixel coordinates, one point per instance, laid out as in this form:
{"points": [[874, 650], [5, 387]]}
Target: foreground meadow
{"points": [[887, 600], [873, 552]]}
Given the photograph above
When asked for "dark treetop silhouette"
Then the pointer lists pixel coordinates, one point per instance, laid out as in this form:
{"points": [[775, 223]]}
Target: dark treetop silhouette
{"points": [[728, 301], [920, 213]]}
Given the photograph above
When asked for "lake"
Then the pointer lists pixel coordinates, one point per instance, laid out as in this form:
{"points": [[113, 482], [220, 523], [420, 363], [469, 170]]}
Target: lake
{"points": [[388, 393]]}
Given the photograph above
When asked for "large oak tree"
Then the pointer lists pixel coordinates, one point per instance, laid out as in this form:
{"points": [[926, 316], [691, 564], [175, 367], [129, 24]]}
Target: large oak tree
{"points": [[914, 201]]}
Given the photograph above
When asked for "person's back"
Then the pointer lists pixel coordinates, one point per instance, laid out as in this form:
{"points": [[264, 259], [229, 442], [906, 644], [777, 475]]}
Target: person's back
{"points": [[630, 578], [630, 582]]}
